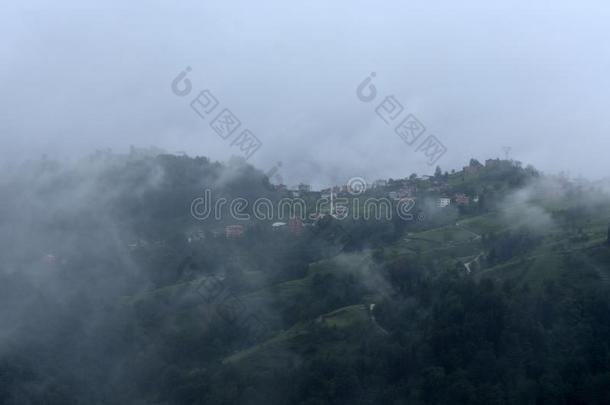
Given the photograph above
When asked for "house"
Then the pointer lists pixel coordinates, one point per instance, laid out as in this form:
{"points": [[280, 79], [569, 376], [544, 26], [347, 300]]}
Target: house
{"points": [[295, 193], [443, 202], [461, 199], [393, 195], [234, 231]]}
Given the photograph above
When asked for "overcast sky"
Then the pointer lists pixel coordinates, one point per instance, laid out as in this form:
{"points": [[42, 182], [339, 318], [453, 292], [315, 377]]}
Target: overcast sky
{"points": [[478, 75]]}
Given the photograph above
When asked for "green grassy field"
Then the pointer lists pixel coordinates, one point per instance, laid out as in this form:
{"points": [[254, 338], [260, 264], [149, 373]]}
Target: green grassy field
{"points": [[281, 347]]}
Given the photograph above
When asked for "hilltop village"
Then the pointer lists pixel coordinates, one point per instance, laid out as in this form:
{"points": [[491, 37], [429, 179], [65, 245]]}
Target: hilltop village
{"points": [[466, 191]]}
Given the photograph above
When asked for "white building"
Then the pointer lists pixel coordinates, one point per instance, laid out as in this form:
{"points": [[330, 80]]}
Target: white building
{"points": [[443, 202]]}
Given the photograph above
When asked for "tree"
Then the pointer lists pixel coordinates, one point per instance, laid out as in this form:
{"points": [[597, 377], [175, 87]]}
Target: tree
{"points": [[438, 172], [475, 163]]}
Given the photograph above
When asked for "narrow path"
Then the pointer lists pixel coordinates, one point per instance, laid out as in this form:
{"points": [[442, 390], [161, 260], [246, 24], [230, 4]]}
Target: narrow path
{"points": [[467, 265]]}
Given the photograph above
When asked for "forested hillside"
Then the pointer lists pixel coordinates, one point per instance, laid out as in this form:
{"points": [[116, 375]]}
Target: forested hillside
{"points": [[114, 290]]}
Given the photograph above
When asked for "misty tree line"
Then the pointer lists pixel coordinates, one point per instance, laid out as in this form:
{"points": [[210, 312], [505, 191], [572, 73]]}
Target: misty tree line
{"points": [[102, 324]]}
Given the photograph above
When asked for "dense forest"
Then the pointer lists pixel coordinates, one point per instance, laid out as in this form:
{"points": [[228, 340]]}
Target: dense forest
{"points": [[112, 292]]}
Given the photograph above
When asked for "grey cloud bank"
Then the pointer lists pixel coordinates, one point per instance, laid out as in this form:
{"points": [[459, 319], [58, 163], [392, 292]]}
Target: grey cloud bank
{"points": [[480, 76]]}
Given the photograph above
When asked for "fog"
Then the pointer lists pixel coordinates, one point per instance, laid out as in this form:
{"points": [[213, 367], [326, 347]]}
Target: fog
{"points": [[111, 127], [480, 76]]}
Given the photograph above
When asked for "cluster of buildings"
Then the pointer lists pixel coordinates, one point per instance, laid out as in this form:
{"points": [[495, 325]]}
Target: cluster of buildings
{"points": [[459, 199], [294, 226], [394, 190], [397, 190], [404, 189]]}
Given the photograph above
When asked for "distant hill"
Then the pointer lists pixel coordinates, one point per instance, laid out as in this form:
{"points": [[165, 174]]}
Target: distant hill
{"points": [[492, 287]]}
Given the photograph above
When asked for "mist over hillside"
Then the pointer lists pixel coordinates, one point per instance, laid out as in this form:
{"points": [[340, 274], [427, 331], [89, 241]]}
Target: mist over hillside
{"points": [[305, 203], [114, 291]]}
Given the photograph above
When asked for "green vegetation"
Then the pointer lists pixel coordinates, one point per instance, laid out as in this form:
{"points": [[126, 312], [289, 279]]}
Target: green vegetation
{"points": [[501, 300]]}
